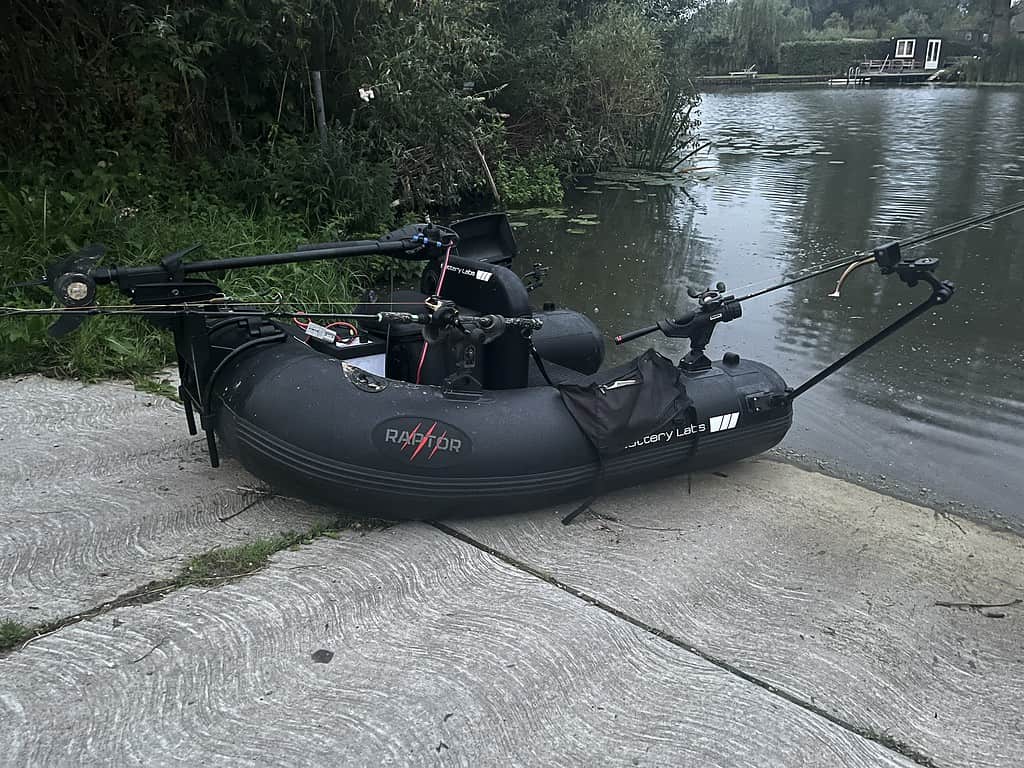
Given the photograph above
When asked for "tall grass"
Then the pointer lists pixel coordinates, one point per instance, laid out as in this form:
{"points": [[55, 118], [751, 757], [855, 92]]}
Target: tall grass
{"points": [[105, 347]]}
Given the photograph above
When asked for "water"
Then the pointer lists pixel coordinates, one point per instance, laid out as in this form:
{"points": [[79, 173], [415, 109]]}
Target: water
{"points": [[801, 177]]}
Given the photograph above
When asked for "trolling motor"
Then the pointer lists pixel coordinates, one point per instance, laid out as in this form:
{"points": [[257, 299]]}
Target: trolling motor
{"points": [[167, 297], [74, 279]]}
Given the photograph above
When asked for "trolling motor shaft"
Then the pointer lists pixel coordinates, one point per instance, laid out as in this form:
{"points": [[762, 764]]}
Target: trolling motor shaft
{"points": [[74, 279]]}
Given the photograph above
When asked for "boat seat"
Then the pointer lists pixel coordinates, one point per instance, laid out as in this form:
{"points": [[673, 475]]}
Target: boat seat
{"points": [[476, 288], [403, 341]]}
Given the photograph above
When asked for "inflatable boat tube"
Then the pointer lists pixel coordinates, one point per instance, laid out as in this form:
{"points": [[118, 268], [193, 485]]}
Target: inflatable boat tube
{"points": [[332, 431]]}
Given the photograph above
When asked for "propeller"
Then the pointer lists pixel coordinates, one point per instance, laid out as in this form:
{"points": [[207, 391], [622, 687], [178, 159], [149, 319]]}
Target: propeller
{"points": [[72, 284]]}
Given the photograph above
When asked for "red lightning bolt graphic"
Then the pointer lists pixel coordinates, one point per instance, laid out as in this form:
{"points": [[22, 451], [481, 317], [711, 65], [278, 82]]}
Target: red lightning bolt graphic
{"points": [[412, 434], [423, 442], [437, 444]]}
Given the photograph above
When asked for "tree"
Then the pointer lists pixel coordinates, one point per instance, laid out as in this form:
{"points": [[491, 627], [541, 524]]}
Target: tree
{"points": [[1001, 15], [913, 22], [758, 27], [873, 18], [837, 23]]}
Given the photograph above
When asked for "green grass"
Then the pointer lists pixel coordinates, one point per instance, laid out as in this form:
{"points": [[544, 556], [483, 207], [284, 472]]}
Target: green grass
{"points": [[213, 568], [128, 347], [151, 386], [227, 563], [12, 633]]}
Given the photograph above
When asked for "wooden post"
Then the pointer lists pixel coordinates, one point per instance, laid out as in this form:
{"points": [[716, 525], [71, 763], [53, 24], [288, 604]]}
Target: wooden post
{"points": [[236, 140], [487, 170], [321, 119]]}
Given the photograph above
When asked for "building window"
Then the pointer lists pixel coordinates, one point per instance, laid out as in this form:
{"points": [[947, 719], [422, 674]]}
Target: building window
{"points": [[905, 49]]}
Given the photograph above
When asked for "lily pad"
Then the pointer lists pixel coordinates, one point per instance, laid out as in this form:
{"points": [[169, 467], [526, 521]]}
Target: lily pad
{"points": [[583, 222], [539, 211], [575, 231]]}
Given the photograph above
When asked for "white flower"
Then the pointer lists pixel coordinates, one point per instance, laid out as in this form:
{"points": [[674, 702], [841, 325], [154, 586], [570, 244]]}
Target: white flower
{"points": [[366, 94]]}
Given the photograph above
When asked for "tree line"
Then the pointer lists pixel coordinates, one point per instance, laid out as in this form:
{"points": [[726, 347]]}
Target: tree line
{"points": [[424, 102], [731, 34], [347, 111]]}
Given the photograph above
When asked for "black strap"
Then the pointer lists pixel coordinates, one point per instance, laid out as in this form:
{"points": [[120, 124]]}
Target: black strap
{"points": [[598, 490], [540, 365]]}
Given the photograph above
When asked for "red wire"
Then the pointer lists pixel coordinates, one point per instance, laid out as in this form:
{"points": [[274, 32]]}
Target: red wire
{"points": [[437, 292], [335, 324], [352, 328]]}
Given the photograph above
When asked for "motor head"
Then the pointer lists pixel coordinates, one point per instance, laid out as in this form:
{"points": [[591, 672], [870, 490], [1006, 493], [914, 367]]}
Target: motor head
{"points": [[73, 283]]}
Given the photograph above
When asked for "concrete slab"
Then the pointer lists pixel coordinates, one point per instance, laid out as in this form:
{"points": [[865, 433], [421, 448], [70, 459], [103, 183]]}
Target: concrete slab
{"points": [[442, 655], [820, 588], [766, 616], [102, 491]]}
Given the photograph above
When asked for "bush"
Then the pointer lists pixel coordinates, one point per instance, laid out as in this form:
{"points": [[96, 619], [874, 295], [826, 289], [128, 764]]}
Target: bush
{"points": [[126, 346], [335, 186], [620, 83], [532, 183], [1004, 65], [913, 23], [820, 57]]}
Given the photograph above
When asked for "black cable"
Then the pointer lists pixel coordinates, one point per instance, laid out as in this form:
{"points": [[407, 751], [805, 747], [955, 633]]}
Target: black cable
{"points": [[27, 284]]}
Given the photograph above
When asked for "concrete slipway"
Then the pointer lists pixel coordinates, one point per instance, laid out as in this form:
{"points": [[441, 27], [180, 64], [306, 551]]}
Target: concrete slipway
{"points": [[761, 616]]}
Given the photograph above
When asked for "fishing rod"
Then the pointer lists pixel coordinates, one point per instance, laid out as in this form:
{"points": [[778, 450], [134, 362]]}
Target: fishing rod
{"points": [[863, 258], [228, 312], [716, 306]]}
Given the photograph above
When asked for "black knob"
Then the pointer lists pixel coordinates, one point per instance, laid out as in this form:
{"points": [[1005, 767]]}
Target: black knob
{"points": [[731, 358]]}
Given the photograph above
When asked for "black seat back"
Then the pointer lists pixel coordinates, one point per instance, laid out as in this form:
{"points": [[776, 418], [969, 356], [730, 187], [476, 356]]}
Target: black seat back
{"points": [[489, 289]]}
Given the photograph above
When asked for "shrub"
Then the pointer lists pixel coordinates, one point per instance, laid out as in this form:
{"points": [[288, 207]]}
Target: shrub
{"points": [[1004, 65], [531, 183], [818, 57]]}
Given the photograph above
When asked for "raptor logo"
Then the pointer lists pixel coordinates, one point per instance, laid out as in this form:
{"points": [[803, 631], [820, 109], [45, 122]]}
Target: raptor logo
{"points": [[421, 441]]}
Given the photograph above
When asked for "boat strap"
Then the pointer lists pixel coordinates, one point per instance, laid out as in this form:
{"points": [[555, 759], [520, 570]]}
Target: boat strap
{"points": [[540, 365], [598, 490]]}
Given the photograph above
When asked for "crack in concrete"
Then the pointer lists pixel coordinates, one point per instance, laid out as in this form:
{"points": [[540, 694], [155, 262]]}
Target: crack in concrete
{"points": [[161, 588], [883, 740]]}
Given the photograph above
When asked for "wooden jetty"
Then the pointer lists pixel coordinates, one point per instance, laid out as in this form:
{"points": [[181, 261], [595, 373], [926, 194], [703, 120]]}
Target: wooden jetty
{"points": [[886, 71]]}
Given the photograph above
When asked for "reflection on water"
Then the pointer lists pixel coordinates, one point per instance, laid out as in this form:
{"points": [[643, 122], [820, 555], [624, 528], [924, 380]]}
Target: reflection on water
{"points": [[801, 177]]}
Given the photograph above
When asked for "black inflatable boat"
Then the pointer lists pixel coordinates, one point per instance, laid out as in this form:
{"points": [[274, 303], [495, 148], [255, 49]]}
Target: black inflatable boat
{"points": [[459, 398]]}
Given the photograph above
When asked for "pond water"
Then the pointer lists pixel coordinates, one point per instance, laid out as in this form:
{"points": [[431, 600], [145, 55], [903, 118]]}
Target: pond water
{"points": [[800, 177]]}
